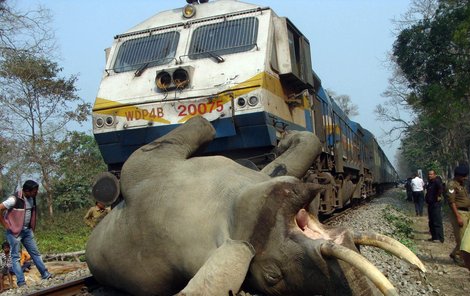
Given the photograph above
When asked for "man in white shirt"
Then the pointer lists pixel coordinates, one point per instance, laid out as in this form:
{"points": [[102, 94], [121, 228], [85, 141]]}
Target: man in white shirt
{"points": [[417, 186]]}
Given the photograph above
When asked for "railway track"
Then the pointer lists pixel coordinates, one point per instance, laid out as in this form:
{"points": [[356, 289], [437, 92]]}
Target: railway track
{"points": [[335, 216], [76, 287], [328, 219]]}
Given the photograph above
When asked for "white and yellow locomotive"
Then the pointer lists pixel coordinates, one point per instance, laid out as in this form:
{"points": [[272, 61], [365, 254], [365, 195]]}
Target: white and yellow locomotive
{"points": [[245, 69]]}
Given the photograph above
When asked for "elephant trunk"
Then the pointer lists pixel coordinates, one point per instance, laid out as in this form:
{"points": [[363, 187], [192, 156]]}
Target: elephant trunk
{"points": [[297, 152]]}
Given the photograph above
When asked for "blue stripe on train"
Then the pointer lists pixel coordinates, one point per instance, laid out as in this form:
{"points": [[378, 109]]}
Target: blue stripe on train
{"points": [[255, 130]]}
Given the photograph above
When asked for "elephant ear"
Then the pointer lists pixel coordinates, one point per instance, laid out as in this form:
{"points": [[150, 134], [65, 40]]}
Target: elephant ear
{"points": [[224, 271]]}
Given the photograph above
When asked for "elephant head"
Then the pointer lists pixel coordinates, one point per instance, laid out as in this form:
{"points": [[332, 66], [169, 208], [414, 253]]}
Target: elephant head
{"points": [[297, 255]]}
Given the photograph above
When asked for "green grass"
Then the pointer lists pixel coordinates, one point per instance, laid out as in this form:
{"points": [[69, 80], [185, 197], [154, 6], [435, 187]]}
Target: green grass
{"points": [[67, 232], [402, 225]]}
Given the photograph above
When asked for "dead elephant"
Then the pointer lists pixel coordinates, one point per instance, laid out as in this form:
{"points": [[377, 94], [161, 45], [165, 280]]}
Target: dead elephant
{"points": [[208, 226]]}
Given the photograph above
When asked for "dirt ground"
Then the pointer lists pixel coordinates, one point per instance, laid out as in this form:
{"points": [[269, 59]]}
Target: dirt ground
{"points": [[445, 276], [55, 267]]}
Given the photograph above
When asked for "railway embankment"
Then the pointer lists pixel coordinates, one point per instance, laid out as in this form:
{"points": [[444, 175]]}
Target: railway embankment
{"points": [[392, 215], [388, 214]]}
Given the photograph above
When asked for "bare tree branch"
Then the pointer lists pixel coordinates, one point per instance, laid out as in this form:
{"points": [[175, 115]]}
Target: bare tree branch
{"points": [[419, 10]]}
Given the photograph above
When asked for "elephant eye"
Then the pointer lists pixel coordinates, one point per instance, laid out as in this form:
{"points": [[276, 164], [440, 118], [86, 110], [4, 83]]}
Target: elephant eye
{"points": [[272, 278]]}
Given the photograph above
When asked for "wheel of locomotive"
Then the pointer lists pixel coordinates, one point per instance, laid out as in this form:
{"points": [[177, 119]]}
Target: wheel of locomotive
{"points": [[347, 192]]}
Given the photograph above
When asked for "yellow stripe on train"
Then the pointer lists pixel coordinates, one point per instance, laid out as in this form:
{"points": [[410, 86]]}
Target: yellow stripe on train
{"points": [[263, 80], [117, 109]]}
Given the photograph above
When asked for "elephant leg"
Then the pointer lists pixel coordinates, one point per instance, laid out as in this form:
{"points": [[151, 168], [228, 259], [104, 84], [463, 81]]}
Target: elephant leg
{"points": [[224, 271], [297, 151], [179, 144], [183, 141]]}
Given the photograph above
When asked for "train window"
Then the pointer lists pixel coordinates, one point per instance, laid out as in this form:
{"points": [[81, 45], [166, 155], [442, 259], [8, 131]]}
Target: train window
{"points": [[224, 38], [350, 143], [319, 124], [146, 51], [337, 127], [294, 52], [274, 62]]}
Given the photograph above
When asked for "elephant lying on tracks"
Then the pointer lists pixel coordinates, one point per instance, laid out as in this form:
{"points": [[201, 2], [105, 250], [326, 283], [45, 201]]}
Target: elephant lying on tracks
{"points": [[209, 226]]}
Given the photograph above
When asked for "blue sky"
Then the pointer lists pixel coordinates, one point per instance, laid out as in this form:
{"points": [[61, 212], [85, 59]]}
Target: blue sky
{"points": [[349, 42]]}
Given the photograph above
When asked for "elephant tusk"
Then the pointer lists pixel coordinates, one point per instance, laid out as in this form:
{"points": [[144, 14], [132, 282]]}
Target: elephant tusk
{"points": [[390, 245], [330, 249]]}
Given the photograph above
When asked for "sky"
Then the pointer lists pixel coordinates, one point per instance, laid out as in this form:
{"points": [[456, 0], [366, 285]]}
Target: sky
{"points": [[349, 39]]}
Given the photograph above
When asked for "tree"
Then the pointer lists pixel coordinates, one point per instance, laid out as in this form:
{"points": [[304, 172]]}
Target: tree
{"points": [[396, 109], [11, 166], [431, 57], [20, 31], [418, 10], [24, 31], [345, 103], [79, 161], [38, 104]]}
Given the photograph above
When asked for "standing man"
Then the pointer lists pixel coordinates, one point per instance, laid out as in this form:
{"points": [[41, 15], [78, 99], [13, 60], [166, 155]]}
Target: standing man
{"points": [[417, 186], [96, 214], [20, 221], [433, 199], [459, 203], [409, 192]]}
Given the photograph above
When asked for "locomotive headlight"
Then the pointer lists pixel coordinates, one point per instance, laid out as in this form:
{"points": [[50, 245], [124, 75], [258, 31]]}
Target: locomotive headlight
{"points": [[181, 78], [253, 101], [241, 102], [99, 122], [109, 120], [163, 80], [189, 11]]}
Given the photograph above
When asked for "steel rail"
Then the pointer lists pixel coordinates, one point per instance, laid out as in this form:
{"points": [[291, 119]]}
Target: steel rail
{"points": [[70, 288]]}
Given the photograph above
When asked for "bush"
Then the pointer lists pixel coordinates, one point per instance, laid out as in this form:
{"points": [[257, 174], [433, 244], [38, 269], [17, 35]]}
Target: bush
{"points": [[403, 230], [66, 233]]}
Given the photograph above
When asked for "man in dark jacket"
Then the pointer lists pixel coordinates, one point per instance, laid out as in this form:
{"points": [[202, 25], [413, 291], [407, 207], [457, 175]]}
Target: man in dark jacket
{"points": [[409, 192], [433, 198]]}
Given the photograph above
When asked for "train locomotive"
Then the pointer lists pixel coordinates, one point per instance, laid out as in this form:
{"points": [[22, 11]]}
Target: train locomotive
{"points": [[249, 72]]}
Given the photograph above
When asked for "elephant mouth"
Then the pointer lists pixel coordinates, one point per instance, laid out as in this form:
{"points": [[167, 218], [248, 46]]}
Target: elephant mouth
{"points": [[313, 229], [331, 246]]}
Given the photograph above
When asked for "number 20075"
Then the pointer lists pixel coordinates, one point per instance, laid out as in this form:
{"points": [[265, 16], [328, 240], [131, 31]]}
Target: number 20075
{"points": [[201, 108]]}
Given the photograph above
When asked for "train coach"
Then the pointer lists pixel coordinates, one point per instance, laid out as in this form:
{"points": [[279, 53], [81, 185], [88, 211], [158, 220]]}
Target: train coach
{"points": [[249, 72]]}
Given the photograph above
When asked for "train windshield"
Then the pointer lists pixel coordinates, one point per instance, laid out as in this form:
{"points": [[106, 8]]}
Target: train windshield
{"points": [[146, 52], [224, 38]]}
